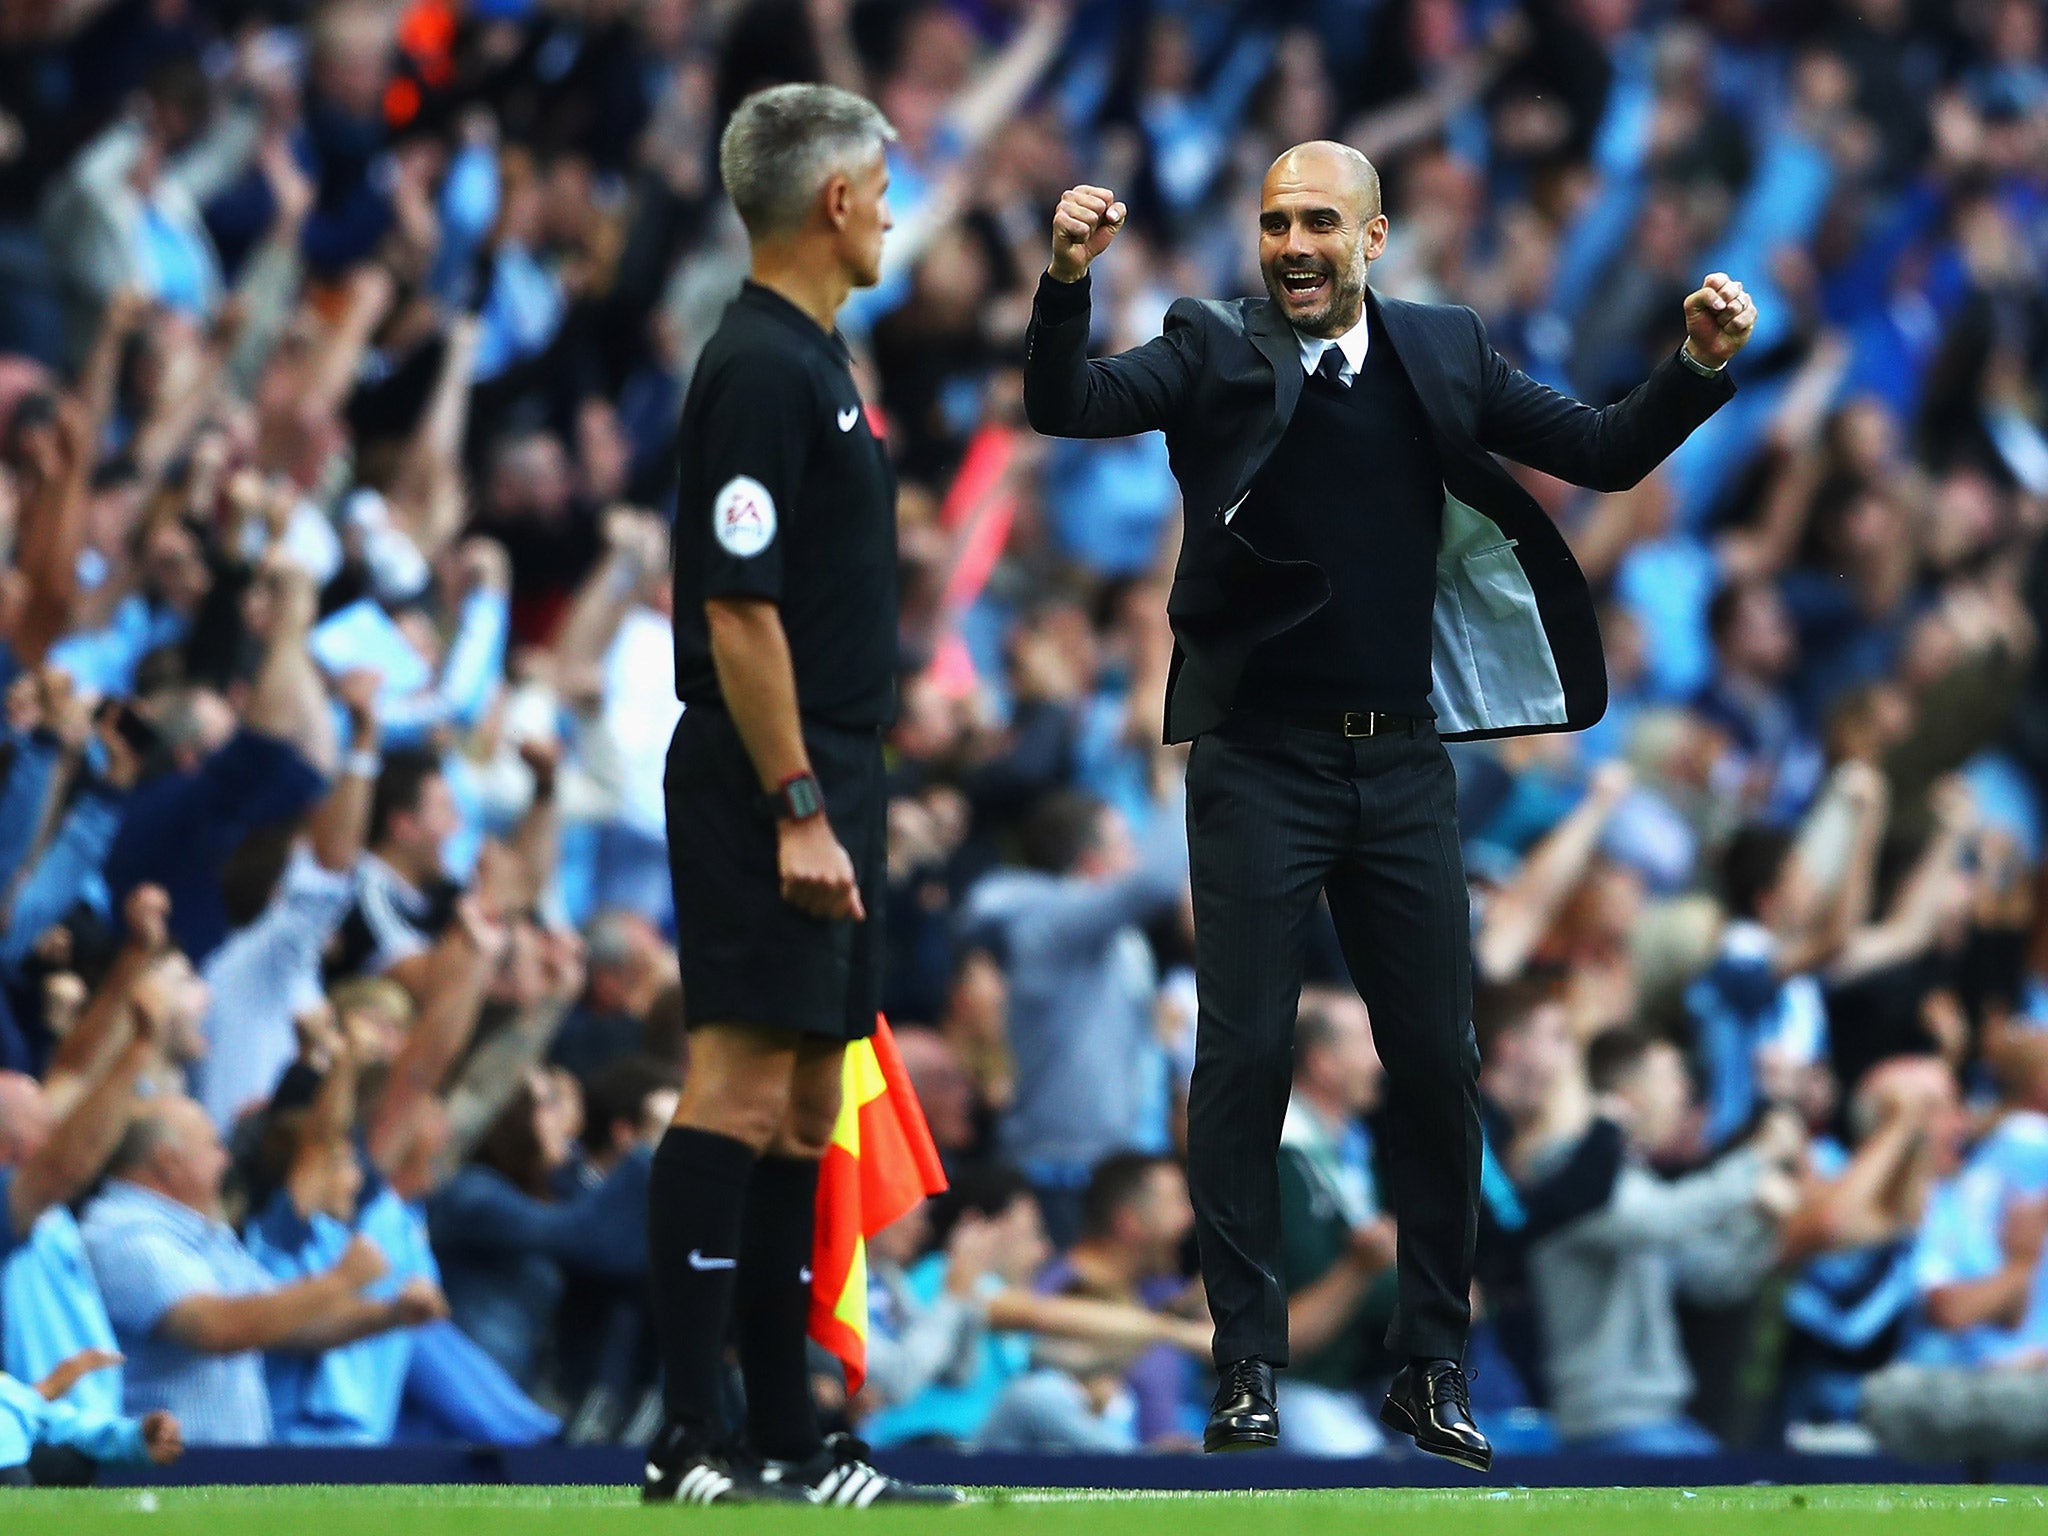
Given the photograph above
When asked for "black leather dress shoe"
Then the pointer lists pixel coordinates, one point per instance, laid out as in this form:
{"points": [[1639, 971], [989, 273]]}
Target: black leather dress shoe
{"points": [[1243, 1417], [1431, 1404]]}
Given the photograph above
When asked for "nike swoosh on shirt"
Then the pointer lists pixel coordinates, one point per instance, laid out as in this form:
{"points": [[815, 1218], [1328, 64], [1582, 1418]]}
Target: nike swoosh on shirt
{"points": [[804, 1275], [698, 1261], [848, 417]]}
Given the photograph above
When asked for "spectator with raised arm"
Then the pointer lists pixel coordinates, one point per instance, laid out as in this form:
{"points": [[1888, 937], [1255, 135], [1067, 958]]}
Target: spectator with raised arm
{"points": [[505, 1227], [350, 1394], [194, 1312], [51, 1154], [228, 775], [405, 898], [1850, 1307], [98, 772], [287, 895], [627, 965], [1606, 1285], [1068, 935], [616, 672], [1967, 1380]]}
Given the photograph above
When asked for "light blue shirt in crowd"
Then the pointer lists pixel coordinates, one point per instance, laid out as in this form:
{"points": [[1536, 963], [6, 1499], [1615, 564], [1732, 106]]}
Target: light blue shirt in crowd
{"points": [[50, 1310], [956, 1408], [149, 1253], [1113, 501], [1667, 584], [1958, 1243], [1962, 1239], [103, 661], [521, 311], [176, 266], [27, 1421], [68, 871], [21, 798], [329, 1398], [351, 1395], [1740, 1006]]}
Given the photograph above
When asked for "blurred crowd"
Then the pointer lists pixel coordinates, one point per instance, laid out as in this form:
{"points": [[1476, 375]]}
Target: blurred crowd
{"points": [[340, 347]]}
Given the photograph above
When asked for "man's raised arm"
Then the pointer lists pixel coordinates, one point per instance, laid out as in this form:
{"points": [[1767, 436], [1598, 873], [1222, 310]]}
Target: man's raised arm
{"points": [[1611, 448], [1065, 393], [78, 1149]]}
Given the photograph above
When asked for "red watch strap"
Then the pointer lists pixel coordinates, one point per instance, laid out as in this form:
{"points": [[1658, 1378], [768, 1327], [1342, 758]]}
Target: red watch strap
{"points": [[799, 798]]}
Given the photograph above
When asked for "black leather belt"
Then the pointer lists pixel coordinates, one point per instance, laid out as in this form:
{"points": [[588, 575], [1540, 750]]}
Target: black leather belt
{"points": [[1350, 723]]}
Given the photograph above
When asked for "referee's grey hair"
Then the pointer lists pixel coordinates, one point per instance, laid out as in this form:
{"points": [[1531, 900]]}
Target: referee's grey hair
{"points": [[784, 143]]}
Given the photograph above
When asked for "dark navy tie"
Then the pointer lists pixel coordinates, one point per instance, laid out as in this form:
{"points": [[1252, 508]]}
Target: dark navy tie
{"points": [[1330, 367]]}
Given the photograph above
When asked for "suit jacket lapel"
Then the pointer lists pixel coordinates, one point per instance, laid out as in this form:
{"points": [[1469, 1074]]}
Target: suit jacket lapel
{"points": [[1276, 341], [1397, 325], [1268, 331], [1275, 338]]}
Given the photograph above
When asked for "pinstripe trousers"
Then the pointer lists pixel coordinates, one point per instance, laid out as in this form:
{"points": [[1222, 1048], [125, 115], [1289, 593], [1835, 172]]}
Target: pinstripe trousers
{"points": [[1278, 812]]}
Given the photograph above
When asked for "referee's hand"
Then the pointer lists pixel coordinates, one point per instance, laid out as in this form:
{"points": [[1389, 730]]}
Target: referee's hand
{"points": [[817, 874]]}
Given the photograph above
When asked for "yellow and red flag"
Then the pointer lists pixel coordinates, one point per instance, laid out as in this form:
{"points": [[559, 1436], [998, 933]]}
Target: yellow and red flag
{"points": [[880, 1164]]}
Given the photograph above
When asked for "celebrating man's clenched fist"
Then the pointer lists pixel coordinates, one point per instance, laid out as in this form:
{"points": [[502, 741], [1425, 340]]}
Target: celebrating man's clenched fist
{"points": [[1719, 317], [1086, 220]]}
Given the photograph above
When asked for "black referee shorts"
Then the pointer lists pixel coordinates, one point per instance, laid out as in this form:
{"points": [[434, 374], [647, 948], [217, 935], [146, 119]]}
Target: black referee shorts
{"points": [[748, 956]]}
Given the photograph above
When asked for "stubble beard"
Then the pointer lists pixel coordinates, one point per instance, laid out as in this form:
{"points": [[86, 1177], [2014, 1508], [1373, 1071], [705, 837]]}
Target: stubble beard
{"points": [[1346, 301]]}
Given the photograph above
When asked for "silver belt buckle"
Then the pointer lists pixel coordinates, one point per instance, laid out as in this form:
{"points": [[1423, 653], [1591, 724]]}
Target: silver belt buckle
{"points": [[1351, 719]]}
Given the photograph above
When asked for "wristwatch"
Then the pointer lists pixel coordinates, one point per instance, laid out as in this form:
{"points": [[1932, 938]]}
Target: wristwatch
{"points": [[796, 798], [1696, 365]]}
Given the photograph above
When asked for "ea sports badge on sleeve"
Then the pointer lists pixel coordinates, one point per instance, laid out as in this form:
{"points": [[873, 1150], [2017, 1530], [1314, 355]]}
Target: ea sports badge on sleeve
{"points": [[743, 517]]}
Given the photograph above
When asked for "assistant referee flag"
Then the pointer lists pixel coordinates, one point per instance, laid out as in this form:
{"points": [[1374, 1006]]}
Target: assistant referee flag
{"points": [[880, 1164]]}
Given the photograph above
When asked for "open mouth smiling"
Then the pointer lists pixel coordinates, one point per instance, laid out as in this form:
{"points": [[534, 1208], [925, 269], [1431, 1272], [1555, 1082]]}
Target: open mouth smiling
{"points": [[1304, 284]]}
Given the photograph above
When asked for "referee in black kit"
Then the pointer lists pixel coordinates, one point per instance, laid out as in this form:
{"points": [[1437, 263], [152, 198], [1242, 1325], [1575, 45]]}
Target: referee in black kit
{"points": [[785, 619]]}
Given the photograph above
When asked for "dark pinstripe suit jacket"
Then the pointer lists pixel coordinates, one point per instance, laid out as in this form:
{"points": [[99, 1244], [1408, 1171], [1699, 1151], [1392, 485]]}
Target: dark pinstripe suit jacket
{"points": [[1516, 648]]}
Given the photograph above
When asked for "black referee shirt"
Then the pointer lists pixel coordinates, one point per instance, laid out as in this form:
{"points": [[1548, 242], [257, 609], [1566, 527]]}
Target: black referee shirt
{"points": [[784, 493]]}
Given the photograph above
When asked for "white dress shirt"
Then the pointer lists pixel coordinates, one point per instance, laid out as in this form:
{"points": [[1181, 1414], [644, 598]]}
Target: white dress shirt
{"points": [[1351, 344]]}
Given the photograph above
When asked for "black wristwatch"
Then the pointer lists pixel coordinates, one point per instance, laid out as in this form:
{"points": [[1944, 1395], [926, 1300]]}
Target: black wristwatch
{"points": [[796, 798]]}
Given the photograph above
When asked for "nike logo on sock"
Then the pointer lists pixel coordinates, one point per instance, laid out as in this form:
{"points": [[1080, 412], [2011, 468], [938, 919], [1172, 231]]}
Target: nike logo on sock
{"points": [[699, 1262], [804, 1275], [848, 417]]}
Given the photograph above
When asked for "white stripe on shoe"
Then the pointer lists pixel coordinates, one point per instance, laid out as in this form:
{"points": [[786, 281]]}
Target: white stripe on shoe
{"points": [[703, 1485], [854, 1485]]}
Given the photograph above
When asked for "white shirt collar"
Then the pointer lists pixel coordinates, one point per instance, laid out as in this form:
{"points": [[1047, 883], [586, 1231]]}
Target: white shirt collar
{"points": [[1352, 344]]}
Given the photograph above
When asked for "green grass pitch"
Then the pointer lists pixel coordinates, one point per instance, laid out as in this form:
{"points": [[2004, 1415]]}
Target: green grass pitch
{"points": [[505, 1511]]}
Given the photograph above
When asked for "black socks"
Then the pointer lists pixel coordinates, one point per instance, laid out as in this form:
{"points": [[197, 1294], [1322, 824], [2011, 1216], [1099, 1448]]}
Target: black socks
{"points": [[729, 1239], [774, 1307], [696, 1194]]}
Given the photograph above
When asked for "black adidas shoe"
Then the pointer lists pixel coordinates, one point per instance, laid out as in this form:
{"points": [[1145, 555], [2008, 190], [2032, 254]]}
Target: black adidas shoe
{"points": [[685, 1471], [841, 1475]]}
